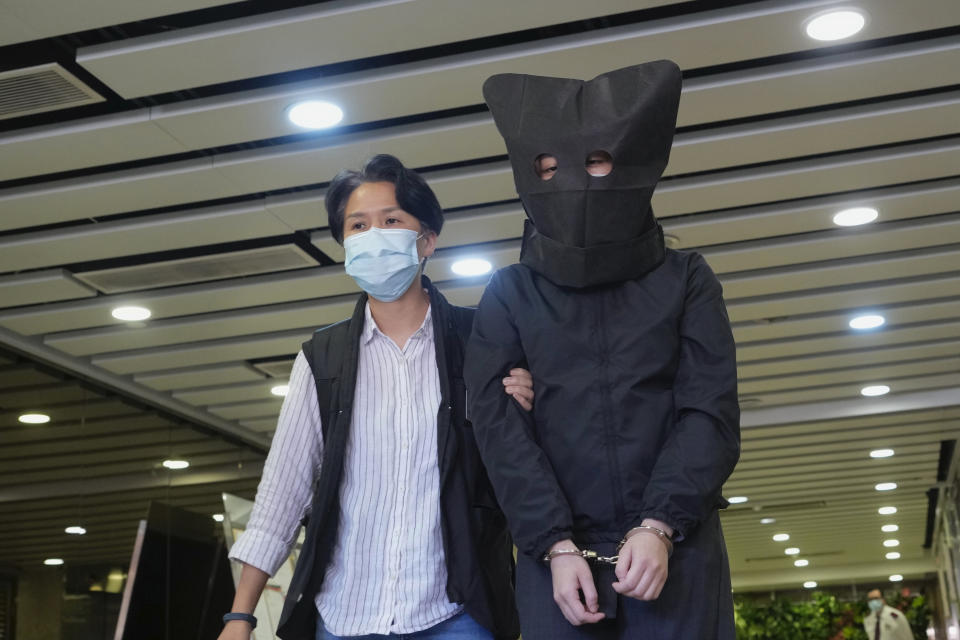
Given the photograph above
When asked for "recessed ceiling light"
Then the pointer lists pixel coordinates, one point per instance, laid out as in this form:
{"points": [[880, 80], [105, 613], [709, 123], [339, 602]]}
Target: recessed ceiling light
{"points": [[781, 537], [671, 241], [75, 530], [801, 562], [890, 528], [280, 390], [131, 313], [881, 453], [892, 542], [737, 499], [868, 321], [34, 418], [791, 551], [896, 577], [471, 267], [315, 114], [218, 517], [885, 486], [767, 520], [835, 25], [53, 562], [893, 555], [875, 390], [176, 464], [809, 584], [855, 217], [887, 511]]}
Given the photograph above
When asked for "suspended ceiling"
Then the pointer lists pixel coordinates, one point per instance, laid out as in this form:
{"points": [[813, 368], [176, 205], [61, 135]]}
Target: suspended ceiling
{"points": [[187, 190]]}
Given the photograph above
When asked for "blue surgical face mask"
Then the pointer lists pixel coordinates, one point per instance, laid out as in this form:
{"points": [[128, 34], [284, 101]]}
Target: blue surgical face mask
{"points": [[383, 262], [875, 604]]}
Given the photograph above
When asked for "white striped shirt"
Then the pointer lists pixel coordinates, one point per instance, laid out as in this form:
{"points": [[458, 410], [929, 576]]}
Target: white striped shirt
{"points": [[388, 572]]}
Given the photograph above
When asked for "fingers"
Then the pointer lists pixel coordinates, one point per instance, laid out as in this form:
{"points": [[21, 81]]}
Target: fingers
{"points": [[589, 590], [522, 401], [570, 576]]}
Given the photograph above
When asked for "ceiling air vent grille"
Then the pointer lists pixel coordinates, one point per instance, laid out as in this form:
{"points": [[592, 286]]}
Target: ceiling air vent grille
{"points": [[47, 87], [200, 269]]}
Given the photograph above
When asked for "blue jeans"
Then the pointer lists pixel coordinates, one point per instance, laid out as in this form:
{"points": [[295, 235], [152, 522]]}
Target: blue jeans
{"points": [[459, 627]]}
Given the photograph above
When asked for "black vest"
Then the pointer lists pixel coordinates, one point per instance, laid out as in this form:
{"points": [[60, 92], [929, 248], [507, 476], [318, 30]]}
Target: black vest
{"points": [[477, 545]]}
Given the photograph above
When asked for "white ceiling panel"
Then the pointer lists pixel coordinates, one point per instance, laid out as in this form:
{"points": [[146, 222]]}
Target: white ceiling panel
{"points": [[41, 286], [127, 190], [160, 232], [312, 36], [832, 323], [84, 143], [217, 395], [44, 19], [822, 362], [836, 243], [198, 377], [860, 374], [251, 409]]}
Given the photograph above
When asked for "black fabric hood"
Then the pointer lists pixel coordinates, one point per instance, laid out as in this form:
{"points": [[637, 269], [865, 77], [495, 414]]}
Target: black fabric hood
{"points": [[586, 230]]}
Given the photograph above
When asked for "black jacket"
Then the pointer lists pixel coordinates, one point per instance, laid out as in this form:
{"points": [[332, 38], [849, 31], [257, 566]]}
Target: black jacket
{"points": [[636, 413], [477, 545]]}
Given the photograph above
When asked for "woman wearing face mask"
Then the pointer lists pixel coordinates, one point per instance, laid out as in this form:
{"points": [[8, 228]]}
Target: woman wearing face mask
{"points": [[884, 622], [404, 536]]}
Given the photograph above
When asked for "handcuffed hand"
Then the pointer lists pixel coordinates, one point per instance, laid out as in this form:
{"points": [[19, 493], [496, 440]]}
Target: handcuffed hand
{"points": [[642, 567], [572, 575]]}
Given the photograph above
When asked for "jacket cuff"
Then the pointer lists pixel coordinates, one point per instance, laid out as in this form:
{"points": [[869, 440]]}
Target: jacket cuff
{"points": [[680, 527], [542, 545]]}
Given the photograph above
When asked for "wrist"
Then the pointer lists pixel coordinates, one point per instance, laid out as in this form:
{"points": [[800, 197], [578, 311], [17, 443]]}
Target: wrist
{"points": [[563, 544], [658, 524], [237, 616]]}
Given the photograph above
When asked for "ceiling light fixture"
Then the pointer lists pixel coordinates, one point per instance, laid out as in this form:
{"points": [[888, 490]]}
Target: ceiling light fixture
{"points": [[53, 562], [892, 542], [885, 486], [855, 217], [809, 584], [280, 390], [875, 390], [896, 577], [835, 25], [887, 511], [767, 520], [781, 537], [791, 551], [893, 555], [890, 528], [34, 418], [471, 267], [866, 322], [881, 453], [218, 517], [315, 114], [738, 499], [131, 313], [176, 464], [75, 530], [801, 562]]}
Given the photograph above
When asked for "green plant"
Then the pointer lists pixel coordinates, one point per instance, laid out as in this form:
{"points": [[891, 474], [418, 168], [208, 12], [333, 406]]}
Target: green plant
{"points": [[822, 617]]}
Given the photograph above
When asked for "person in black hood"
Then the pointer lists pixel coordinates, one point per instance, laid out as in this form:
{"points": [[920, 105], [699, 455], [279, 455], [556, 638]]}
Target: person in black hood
{"points": [[636, 426]]}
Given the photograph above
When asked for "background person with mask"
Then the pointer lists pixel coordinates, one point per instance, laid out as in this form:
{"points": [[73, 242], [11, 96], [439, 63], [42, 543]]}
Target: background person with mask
{"points": [[636, 426], [404, 535], [884, 622]]}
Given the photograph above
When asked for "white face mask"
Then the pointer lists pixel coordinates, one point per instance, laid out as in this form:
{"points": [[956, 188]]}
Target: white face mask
{"points": [[875, 604], [383, 262]]}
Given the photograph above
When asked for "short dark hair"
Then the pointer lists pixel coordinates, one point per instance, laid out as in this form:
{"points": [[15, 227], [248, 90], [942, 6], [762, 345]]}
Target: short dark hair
{"points": [[413, 194]]}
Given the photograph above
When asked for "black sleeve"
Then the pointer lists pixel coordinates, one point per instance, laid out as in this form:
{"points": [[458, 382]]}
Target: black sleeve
{"points": [[703, 446], [524, 481]]}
